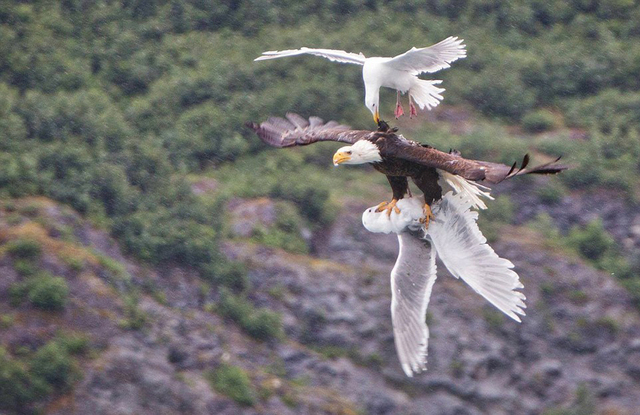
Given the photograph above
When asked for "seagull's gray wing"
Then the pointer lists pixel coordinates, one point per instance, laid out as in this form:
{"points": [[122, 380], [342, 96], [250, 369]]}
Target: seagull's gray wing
{"points": [[430, 59], [331, 54], [412, 279]]}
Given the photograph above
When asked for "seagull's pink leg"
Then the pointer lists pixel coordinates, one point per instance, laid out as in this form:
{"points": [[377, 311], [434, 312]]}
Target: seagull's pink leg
{"points": [[412, 108], [399, 111]]}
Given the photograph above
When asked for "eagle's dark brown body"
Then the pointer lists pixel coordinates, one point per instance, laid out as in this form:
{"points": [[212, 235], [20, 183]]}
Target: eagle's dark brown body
{"points": [[397, 171]]}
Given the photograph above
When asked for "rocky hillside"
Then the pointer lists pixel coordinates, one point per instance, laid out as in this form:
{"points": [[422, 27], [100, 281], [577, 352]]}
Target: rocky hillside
{"points": [[124, 338]]}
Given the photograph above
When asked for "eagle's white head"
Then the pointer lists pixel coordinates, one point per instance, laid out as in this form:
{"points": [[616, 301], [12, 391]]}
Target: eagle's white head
{"points": [[361, 152]]}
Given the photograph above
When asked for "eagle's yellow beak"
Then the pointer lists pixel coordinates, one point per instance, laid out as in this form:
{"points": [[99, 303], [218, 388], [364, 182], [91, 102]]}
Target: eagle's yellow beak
{"points": [[376, 116], [340, 157]]}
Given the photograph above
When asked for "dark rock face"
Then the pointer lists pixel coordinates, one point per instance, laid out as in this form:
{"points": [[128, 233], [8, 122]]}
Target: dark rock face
{"points": [[581, 333]]}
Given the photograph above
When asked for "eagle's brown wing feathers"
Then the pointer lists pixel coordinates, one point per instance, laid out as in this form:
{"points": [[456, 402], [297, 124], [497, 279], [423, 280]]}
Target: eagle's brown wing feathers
{"points": [[297, 131], [392, 146]]}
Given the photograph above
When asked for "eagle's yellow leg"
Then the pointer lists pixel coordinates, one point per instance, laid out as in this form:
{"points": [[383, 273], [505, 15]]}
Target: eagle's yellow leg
{"points": [[428, 215], [389, 207]]}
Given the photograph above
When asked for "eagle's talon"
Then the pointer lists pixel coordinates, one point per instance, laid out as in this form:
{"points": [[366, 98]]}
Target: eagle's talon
{"points": [[388, 207], [428, 216]]}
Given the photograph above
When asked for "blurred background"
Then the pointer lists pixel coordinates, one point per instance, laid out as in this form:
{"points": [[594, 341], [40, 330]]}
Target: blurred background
{"points": [[156, 258]]}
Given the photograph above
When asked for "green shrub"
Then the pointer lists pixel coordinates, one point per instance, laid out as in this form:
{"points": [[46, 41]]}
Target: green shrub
{"points": [[18, 387], [538, 121], [134, 317], [53, 364], [260, 324], [232, 275], [43, 291], [233, 382], [47, 292], [264, 325], [25, 267], [551, 193], [27, 249], [591, 241]]}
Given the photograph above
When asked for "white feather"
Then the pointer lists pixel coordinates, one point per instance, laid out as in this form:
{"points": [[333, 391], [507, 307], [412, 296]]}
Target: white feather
{"points": [[409, 217], [412, 279], [458, 184], [465, 252]]}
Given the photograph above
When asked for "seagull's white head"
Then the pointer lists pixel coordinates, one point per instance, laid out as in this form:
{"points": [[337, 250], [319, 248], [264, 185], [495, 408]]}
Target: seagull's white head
{"points": [[372, 101], [361, 152]]}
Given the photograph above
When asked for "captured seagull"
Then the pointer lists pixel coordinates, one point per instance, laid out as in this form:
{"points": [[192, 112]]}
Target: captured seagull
{"points": [[400, 72], [455, 238]]}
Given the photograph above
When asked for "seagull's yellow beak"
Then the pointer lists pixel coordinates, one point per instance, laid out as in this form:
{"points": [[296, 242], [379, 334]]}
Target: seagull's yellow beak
{"points": [[376, 116], [340, 157]]}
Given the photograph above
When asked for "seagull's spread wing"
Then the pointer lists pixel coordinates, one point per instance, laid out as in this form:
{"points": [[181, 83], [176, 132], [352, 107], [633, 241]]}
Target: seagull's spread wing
{"points": [[430, 59], [412, 279], [465, 252], [331, 54], [297, 131]]}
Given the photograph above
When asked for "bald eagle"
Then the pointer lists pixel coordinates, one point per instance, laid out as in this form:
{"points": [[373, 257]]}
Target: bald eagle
{"points": [[400, 72], [397, 158]]}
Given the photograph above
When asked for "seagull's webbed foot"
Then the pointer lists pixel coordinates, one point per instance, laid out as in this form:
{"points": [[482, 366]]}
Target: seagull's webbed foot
{"points": [[428, 215], [399, 110], [413, 111], [388, 207]]}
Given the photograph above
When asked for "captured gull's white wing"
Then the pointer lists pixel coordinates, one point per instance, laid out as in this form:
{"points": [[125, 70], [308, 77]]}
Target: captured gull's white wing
{"points": [[430, 59], [412, 279], [331, 54], [465, 252]]}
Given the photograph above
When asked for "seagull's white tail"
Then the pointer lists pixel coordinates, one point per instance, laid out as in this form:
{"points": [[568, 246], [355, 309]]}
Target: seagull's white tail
{"points": [[425, 93]]}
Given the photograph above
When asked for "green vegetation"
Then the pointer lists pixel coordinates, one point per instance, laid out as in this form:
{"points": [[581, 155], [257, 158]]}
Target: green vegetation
{"points": [[134, 317], [233, 382], [538, 121], [25, 249], [260, 324], [43, 291], [114, 107], [30, 378]]}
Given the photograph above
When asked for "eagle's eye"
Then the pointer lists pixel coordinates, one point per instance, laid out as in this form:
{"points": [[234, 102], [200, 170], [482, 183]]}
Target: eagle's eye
{"points": [[348, 152]]}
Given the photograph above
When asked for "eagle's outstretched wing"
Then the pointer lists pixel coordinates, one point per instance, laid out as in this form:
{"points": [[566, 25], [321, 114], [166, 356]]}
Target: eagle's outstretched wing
{"points": [[297, 131], [331, 54], [393, 146], [412, 279], [430, 59]]}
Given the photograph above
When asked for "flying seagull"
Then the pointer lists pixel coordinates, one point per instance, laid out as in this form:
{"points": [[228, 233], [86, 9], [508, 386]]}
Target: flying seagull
{"points": [[397, 158], [400, 72], [455, 238]]}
